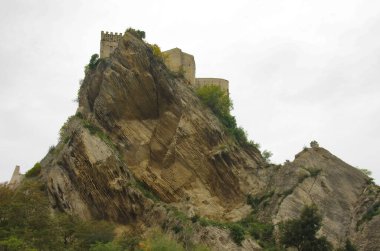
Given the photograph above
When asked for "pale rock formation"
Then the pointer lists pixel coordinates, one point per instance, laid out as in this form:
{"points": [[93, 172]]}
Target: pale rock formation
{"points": [[142, 130]]}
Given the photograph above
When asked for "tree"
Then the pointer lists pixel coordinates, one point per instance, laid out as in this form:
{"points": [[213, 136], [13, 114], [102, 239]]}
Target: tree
{"points": [[366, 172], [300, 233], [237, 233], [348, 247], [267, 155], [94, 61], [26, 220]]}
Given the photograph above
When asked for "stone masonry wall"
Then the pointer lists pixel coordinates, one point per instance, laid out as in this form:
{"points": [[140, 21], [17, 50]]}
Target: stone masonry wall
{"points": [[177, 60], [212, 81], [108, 43]]}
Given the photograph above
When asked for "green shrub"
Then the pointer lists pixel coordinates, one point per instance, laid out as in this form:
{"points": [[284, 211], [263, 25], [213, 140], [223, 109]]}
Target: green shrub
{"points": [[157, 52], [260, 231], [366, 172], [136, 33], [51, 149], [63, 131], [301, 233], [94, 61], [12, 243], [315, 172], [109, 246], [221, 105], [144, 188], [200, 248], [161, 242], [34, 171], [218, 101], [177, 228], [194, 218], [79, 115], [92, 128], [348, 247], [267, 155], [254, 202], [371, 212], [27, 223], [237, 233], [89, 233]]}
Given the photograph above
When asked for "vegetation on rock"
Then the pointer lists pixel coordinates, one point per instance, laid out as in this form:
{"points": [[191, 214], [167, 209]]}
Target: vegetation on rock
{"points": [[136, 33], [221, 105], [94, 61], [32, 226], [34, 171], [348, 247], [301, 233]]}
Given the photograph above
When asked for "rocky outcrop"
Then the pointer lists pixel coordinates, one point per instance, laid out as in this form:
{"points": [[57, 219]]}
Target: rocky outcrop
{"points": [[141, 136], [168, 139], [318, 177]]}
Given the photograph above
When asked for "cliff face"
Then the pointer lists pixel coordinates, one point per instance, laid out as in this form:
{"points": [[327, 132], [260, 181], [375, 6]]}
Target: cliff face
{"points": [[140, 130], [339, 190]]}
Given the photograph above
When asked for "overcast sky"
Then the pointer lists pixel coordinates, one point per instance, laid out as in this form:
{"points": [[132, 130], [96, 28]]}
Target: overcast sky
{"points": [[299, 70]]}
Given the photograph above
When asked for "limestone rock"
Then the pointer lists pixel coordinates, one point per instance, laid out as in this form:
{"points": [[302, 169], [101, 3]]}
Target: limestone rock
{"points": [[141, 132]]}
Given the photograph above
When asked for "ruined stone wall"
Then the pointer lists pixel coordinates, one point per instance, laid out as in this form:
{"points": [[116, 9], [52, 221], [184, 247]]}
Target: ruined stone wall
{"points": [[16, 179], [177, 60], [212, 81], [108, 43]]}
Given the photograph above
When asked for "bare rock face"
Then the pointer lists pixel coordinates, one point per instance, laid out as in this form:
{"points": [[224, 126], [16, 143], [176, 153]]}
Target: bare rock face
{"points": [[166, 137], [339, 190], [86, 177], [141, 130]]}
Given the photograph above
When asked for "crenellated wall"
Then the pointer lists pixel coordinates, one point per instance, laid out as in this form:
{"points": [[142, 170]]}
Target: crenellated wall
{"points": [[108, 43]]}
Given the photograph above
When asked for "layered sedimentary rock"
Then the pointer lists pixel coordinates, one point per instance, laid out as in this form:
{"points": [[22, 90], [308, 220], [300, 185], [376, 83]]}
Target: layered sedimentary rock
{"points": [[140, 131]]}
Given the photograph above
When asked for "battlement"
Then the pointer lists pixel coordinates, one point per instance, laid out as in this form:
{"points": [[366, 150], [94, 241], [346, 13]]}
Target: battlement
{"points": [[175, 59], [108, 43], [110, 36]]}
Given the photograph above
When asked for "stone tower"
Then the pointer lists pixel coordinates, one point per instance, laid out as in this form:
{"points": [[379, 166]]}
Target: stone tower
{"points": [[16, 179], [178, 61], [108, 43], [175, 59]]}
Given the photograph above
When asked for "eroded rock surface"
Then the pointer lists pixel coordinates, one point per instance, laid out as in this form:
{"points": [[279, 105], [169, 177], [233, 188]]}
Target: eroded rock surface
{"points": [[140, 129]]}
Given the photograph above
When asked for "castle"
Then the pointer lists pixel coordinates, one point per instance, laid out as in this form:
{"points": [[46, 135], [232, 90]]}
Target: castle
{"points": [[108, 43], [175, 59]]}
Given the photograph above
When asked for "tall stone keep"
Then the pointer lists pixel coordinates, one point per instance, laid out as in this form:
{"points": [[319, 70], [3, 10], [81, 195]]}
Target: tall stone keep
{"points": [[108, 43], [178, 61]]}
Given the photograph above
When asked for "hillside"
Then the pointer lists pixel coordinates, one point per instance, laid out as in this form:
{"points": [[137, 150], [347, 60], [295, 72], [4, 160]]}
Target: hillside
{"points": [[143, 151]]}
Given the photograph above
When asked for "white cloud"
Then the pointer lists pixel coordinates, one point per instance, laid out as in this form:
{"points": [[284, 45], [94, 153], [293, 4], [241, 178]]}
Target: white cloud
{"points": [[299, 70]]}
